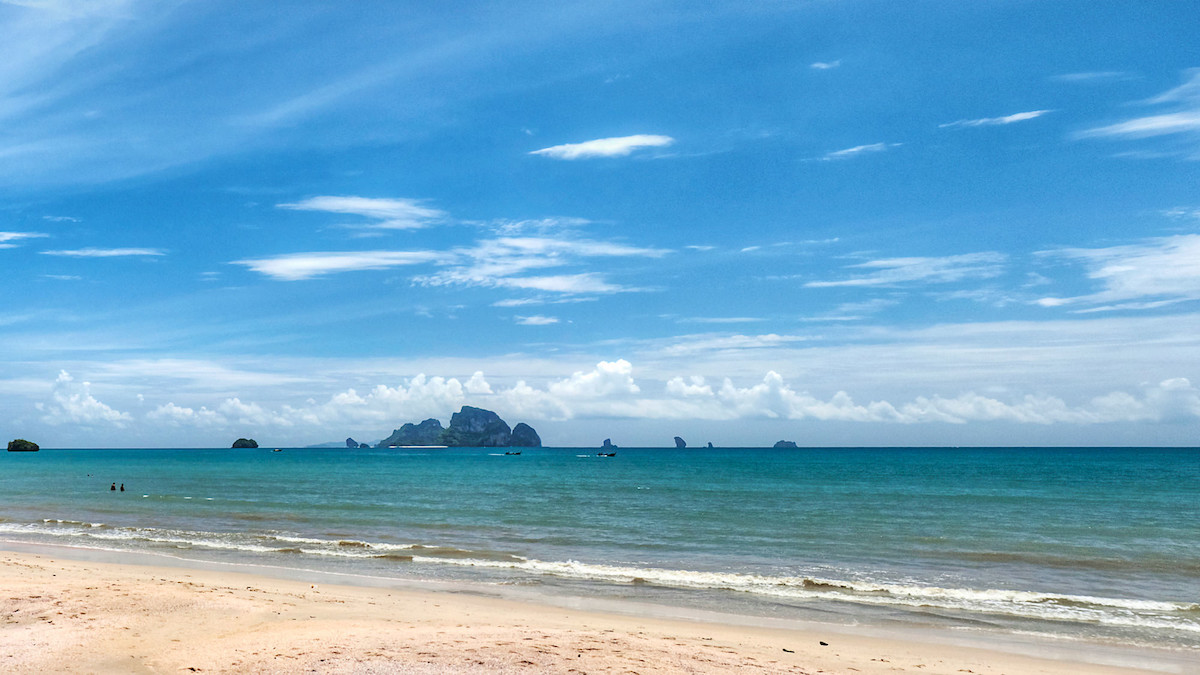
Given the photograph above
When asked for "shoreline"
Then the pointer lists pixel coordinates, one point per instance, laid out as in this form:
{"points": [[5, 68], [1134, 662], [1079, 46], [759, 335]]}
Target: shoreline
{"points": [[111, 612]]}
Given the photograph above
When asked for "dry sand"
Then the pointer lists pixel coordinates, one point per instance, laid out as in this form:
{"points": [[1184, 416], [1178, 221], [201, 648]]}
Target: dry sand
{"points": [[63, 615]]}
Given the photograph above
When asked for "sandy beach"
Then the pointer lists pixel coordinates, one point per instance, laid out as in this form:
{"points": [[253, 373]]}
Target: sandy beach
{"points": [[63, 615]]}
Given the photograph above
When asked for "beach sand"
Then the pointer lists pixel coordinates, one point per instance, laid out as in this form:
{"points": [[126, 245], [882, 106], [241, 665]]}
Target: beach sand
{"points": [[62, 615]]}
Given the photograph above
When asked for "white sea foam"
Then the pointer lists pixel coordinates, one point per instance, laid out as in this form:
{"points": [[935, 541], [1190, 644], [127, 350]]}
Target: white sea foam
{"points": [[1122, 612], [1025, 604]]}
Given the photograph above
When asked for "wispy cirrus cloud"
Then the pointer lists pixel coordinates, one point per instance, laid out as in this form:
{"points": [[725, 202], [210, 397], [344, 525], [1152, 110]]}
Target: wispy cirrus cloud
{"points": [[506, 262], [1153, 273], [1093, 76], [536, 320], [106, 252], [388, 214], [300, 266], [898, 271], [825, 65], [996, 121], [6, 238], [605, 147], [859, 150], [1180, 119], [719, 319]]}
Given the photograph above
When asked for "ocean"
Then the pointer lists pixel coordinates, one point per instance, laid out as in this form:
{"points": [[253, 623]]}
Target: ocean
{"points": [[1080, 544]]}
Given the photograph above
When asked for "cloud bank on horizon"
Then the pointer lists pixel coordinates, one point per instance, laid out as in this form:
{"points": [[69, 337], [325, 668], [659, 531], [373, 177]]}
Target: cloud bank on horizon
{"points": [[750, 221]]}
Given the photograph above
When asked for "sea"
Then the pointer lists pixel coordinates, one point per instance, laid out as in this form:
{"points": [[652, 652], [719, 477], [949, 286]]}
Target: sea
{"points": [[1085, 545]]}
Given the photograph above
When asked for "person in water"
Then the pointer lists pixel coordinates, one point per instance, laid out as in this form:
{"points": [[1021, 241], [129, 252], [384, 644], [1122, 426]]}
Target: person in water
{"points": [[113, 488], [122, 487]]}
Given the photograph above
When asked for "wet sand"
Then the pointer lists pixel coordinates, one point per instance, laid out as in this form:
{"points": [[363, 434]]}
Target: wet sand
{"points": [[71, 616]]}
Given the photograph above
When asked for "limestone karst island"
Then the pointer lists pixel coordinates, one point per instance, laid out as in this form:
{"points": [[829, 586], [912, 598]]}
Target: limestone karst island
{"points": [[469, 428]]}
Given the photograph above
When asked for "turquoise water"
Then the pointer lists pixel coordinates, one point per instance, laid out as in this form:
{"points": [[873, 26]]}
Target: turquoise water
{"points": [[1096, 544]]}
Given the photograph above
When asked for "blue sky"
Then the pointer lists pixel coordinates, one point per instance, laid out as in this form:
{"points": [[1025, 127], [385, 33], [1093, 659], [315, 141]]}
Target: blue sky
{"points": [[841, 223]]}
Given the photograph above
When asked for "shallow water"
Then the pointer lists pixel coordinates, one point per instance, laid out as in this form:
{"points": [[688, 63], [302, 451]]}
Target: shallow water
{"points": [[1097, 544]]}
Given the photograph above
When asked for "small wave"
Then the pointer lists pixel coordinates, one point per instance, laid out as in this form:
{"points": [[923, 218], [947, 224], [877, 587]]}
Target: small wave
{"points": [[71, 523], [451, 553], [393, 556], [1026, 604]]}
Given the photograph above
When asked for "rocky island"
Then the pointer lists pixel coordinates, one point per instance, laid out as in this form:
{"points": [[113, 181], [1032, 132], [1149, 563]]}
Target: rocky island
{"points": [[790, 445], [245, 443], [22, 445], [469, 428]]}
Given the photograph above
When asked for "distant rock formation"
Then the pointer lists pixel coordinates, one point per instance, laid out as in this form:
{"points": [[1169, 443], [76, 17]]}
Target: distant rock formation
{"points": [[469, 428], [680, 443], [477, 428], [351, 443], [22, 445], [523, 436], [245, 443], [428, 432], [608, 445], [791, 445], [710, 444]]}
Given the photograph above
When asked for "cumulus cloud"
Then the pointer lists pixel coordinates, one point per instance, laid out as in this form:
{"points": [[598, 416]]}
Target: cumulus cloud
{"points": [[996, 121], [72, 402], [107, 252], [1149, 274], [860, 150], [898, 271], [605, 147], [394, 214], [298, 266], [610, 390]]}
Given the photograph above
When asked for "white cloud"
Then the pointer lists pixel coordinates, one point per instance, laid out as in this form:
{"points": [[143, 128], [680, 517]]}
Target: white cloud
{"points": [[536, 320], [894, 271], [996, 121], [719, 319], [860, 150], [73, 403], [609, 390], [1093, 76], [606, 379], [394, 214], [1153, 125], [1181, 119], [689, 346], [562, 283], [825, 65], [1150, 274], [107, 252], [6, 237], [298, 266], [504, 262], [477, 384], [605, 147]]}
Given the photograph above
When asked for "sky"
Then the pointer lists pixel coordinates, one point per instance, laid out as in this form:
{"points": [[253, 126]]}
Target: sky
{"points": [[836, 222]]}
